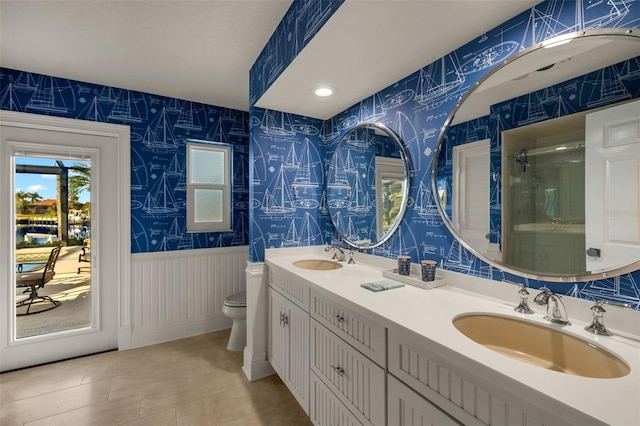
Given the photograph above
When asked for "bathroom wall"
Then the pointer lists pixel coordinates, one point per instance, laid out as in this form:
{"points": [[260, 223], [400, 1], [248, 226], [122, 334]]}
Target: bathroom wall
{"points": [[160, 127], [416, 108], [289, 163], [301, 22], [286, 148]]}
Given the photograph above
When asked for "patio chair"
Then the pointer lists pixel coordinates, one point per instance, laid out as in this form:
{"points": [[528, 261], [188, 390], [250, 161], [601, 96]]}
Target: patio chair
{"points": [[36, 279], [85, 255]]}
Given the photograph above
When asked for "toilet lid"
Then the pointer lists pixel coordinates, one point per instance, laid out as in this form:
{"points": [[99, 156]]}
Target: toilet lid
{"points": [[236, 300]]}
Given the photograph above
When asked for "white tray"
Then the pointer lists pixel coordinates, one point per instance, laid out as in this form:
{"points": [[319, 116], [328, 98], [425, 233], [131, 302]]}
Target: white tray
{"points": [[414, 278]]}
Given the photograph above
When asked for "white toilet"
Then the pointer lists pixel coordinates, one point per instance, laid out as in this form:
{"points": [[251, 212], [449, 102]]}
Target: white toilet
{"points": [[235, 307]]}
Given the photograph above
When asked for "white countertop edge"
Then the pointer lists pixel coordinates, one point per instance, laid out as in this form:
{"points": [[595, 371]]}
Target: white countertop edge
{"points": [[444, 303]]}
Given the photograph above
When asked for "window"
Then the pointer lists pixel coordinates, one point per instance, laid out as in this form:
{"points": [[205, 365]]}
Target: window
{"points": [[208, 187], [390, 181]]}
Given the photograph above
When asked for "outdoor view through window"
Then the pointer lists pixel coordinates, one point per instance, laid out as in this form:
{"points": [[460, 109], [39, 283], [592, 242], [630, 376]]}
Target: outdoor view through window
{"points": [[53, 245]]}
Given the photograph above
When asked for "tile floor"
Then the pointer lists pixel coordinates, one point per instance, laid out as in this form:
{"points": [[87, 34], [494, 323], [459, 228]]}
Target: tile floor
{"points": [[193, 381]]}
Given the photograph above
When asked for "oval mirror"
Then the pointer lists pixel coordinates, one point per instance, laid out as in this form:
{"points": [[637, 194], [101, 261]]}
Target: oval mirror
{"points": [[368, 185], [537, 169]]}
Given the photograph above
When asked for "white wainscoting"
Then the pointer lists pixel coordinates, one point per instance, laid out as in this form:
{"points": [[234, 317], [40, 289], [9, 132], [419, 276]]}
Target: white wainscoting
{"points": [[179, 294]]}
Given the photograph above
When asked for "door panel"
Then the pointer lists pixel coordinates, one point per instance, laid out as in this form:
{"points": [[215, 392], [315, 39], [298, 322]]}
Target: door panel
{"points": [[612, 162], [471, 193], [278, 342], [52, 140], [297, 325]]}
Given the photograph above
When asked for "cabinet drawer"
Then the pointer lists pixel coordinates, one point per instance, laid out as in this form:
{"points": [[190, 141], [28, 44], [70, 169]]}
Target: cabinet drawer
{"points": [[469, 401], [407, 408], [326, 409], [356, 380], [290, 286], [362, 333]]}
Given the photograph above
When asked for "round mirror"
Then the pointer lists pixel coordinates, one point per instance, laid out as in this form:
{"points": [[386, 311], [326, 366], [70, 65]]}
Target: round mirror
{"points": [[368, 185], [537, 169]]}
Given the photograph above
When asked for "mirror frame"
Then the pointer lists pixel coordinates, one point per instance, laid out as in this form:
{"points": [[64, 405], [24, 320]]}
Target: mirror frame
{"points": [[405, 183], [619, 32]]}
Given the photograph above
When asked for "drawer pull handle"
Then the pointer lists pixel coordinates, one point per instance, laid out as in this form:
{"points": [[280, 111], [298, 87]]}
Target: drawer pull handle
{"points": [[339, 318], [285, 319], [339, 370]]}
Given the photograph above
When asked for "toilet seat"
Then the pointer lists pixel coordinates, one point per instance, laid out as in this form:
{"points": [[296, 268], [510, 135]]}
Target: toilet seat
{"points": [[238, 300]]}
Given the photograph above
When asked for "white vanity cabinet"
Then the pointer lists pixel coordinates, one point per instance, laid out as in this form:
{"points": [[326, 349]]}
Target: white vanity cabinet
{"points": [[356, 381], [456, 392], [406, 408], [325, 407], [348, 361], [353, 357], [288, 343], [364, 334]]}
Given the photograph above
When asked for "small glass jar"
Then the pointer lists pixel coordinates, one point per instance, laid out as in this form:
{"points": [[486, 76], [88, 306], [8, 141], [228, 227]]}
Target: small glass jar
{"points": [[404, 265], [428, 270]]}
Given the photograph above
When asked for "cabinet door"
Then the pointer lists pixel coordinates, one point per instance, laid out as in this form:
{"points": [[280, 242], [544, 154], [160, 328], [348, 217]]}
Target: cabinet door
{"points": [[297, 328], [407, 408], [278, 345]]}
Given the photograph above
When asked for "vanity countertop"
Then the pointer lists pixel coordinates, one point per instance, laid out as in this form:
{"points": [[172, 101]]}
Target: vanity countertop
{"points": [[429, 313]]}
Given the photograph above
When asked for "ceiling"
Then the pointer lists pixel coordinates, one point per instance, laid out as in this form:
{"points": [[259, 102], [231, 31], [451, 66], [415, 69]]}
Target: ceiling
{"points": [[196, 50], [203, 50]]}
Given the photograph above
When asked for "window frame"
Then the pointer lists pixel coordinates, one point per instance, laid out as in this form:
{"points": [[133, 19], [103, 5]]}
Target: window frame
{"points": [[226, 187]]}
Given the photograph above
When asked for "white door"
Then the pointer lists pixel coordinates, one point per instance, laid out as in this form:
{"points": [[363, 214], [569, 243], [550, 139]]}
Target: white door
{"points": [[25, 135], [470, 201], [612, 187]]}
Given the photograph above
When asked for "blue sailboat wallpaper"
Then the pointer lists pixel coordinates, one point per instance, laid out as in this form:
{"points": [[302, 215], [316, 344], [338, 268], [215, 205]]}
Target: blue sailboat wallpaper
{"points": [[160, 128], [282, 160], [416, 108]]}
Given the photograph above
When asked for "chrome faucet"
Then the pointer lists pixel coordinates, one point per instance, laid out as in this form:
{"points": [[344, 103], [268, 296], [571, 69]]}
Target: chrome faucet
{"points": [[523, 306], [597, 325], [556, 312], [341, 257]]}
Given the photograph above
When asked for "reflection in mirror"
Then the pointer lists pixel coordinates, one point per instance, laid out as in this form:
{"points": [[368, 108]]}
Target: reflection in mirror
{"points": [[389, 188], [538, 171], [543, 202], [367, 185]]}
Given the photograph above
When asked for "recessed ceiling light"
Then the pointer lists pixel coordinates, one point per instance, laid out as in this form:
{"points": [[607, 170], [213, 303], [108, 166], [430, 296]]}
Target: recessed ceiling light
{"points": [[324, 91]]}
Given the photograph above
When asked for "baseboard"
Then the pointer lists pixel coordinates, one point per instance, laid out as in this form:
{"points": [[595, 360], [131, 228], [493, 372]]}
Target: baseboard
{"points": [[182, 330], [256, 367]]}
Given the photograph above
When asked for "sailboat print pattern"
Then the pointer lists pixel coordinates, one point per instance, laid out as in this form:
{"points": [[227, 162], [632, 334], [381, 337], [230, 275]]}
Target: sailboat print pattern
{"points": [[416, 108], [160, 127], [299, 25]]}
